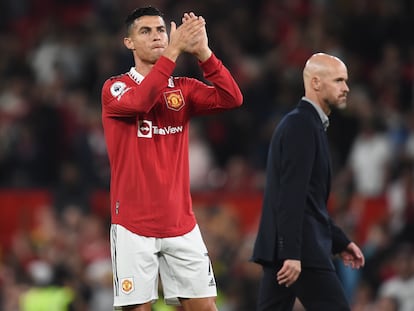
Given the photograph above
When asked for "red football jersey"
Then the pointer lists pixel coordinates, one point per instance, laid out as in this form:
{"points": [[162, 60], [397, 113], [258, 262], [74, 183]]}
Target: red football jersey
{"points": [[146, 122]]}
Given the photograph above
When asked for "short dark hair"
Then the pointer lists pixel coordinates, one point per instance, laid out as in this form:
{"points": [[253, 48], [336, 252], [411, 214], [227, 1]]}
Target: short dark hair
{"points": [[139, 12]]}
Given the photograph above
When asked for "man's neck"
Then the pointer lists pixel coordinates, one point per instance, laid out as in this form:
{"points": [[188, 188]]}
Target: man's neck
{"points": [[143, 70], [142, 67]]}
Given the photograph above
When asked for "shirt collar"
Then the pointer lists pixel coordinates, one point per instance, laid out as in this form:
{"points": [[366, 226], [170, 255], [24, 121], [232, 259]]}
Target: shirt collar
{"points": [[322, 115], [137, 77]]}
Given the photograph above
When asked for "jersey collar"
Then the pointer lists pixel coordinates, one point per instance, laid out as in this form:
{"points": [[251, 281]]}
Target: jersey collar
{"points": [[137, 77]]}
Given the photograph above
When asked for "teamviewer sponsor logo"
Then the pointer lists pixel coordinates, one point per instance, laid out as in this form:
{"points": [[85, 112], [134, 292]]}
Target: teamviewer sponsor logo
{"points": [[147, 130]]}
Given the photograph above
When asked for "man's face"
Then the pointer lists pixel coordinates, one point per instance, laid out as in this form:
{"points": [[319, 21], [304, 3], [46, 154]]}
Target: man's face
{"points": [[148, 38], [334, 86]]}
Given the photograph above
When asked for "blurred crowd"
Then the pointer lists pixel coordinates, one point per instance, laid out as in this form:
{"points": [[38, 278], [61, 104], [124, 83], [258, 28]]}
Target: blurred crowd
{"points": [[55, 56]]}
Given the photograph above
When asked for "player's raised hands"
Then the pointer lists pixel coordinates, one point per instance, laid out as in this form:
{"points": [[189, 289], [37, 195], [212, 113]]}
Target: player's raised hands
{"points": [[190, 37], [200, 47]]}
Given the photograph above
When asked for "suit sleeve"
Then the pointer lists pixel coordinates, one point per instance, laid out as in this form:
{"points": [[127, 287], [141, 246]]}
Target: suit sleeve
{"points": [[297, 157], [339, 239], [224, 93], [120, 100]]}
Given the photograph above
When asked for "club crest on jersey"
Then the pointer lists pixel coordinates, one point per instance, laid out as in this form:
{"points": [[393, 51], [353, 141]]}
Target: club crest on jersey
{"points": [[174, 100], [127, 285]]}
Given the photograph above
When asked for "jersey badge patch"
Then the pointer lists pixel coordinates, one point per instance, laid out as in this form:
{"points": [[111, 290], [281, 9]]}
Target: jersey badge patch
{"points": [[118, 89], [127, 285], [174, 100]]}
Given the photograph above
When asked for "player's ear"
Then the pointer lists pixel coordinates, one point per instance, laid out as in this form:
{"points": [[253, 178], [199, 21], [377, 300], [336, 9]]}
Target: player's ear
{"points": [[128, 43]]}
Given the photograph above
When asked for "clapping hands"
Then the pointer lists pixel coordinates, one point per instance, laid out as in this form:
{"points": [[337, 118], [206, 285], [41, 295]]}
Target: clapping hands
{"points": [[190, 36]]}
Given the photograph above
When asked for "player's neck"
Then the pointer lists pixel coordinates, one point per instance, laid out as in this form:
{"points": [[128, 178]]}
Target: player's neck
{"points": [[143, 67], [143, 70]]}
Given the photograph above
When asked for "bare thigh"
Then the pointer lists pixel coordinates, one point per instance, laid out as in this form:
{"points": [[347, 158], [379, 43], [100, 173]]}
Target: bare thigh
{"points": [[142, 307], [199, 304]]}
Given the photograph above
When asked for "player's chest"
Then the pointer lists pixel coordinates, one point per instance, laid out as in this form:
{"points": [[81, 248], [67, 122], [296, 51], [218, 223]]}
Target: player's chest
{"points": [[169, 116], [171, 105]]}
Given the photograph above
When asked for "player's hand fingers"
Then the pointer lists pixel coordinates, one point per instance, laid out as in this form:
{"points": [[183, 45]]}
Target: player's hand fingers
{"points": [[173, 28]]}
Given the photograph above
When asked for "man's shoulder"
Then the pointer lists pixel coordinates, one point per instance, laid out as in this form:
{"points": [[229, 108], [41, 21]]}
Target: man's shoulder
{"points": [[117, 81], [182, 79], [298, 114], [122, 76], [296, 120]]}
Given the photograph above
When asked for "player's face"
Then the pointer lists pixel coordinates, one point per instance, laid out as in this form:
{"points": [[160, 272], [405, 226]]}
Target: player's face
{"points": [[335, 88], [148, 38]]}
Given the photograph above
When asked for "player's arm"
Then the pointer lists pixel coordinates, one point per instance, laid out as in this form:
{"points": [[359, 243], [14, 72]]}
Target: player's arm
{"points": [[223, 93], [122, 100]]}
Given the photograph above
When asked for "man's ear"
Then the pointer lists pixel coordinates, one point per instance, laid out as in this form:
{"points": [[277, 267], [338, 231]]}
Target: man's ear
{"points": [[128, 43], [316, 83]]}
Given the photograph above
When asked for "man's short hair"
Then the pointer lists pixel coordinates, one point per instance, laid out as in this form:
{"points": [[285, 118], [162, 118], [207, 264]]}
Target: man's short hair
{"points": [[139, 12]]}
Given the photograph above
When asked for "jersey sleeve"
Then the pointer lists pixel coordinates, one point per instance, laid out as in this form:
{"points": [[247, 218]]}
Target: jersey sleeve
{"points": [[120, 99], [224, 93]]}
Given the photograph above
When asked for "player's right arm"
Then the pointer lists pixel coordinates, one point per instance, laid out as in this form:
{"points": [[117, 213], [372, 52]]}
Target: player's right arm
{"points": [[122, 98]]}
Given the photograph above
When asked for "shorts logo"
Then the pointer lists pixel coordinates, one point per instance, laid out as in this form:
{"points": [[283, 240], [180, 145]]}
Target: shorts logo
{"points": [[174, 100], [127, 285], [145, 128]]}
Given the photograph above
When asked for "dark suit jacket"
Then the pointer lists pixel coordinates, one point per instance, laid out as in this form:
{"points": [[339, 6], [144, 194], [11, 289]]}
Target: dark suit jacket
{"points": [[295, 223]]}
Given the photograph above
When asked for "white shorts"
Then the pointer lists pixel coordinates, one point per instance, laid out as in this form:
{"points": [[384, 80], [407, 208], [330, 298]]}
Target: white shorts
{"points": [[182, 263]]}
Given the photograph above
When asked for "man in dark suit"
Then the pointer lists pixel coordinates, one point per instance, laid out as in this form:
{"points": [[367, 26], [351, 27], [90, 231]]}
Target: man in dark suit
{"points": [[297, 239]]}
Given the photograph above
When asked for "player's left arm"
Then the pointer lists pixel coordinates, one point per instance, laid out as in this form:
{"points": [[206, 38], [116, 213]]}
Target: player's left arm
{"points": [[223, 92]]}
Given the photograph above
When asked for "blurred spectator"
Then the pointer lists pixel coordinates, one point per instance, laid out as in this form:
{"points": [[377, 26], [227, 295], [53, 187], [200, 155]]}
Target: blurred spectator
{"points": [[388, 303], [369, 159], [71, 191], [369, 170], [240, 177], [364, 298], [400, 197], [45, 291], [401, 284], [201, 158]]}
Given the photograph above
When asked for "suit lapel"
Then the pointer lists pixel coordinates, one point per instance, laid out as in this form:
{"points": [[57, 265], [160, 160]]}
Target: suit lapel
{"points": [[322, 133]]}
